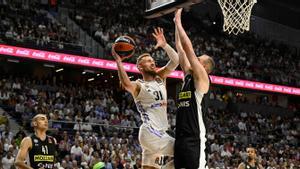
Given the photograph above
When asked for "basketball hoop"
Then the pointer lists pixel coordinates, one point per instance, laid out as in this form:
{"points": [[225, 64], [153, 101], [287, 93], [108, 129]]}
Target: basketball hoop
{"points": [[236, 15]]}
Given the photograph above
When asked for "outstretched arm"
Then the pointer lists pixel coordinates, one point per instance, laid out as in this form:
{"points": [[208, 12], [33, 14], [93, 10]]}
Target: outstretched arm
{"points": [[183, 61], [199, 73], [130, 86], [161, 42]]}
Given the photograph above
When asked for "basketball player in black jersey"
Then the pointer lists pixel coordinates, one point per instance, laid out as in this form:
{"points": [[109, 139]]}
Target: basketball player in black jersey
{"points": [[40, 147], [190, 129], [251, 162]]}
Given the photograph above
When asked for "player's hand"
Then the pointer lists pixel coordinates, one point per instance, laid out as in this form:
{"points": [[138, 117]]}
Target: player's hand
{"points": [[115, 55], [177, 18], [160, 38]]}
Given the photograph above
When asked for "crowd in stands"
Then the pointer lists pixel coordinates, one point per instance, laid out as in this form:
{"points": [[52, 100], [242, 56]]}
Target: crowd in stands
{"points": [[29, 25], [244, 56], [94, 123], [229, 134], [99, 123]]}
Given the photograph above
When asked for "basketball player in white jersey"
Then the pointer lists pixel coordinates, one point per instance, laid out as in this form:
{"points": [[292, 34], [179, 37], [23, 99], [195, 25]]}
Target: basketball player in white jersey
{"points": [[190, 131], [150, 96]]}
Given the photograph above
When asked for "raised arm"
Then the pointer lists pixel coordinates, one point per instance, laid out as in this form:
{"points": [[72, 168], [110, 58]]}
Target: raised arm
{"points": [[183, 61], [130, 86], [200, 75], [26, 144], [173, 62]]}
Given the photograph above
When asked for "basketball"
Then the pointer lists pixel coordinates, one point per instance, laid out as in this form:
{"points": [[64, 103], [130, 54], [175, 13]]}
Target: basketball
{"points": [[124, 46]]}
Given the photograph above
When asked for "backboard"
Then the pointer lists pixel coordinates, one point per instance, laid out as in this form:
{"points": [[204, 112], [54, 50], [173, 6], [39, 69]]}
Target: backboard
{"points": [[157, 8]]}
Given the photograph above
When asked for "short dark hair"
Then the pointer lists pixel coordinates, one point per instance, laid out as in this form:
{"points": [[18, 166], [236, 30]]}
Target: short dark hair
{"points": [[252, 148]]}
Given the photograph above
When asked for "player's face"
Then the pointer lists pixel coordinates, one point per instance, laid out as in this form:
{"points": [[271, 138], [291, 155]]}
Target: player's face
{"points": [[251, 153], [147, 65], [42, 122], [203, 60]]}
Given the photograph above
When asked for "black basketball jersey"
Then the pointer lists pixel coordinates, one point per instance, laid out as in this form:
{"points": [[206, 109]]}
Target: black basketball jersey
{"points": [[42, 153], [248, 166], [189, 114]]}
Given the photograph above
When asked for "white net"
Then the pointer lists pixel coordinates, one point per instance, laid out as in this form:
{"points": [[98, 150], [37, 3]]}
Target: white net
{"points": [[236, 15]]}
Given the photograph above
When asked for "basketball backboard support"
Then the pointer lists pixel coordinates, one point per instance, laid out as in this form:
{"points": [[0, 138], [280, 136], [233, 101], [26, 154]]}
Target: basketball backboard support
{"points": [[157, 8]]}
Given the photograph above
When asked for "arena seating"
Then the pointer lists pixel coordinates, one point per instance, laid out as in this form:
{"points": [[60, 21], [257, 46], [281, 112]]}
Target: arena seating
{"points": [[106, 127], [97, 122], [34, 28], [245, 56]]}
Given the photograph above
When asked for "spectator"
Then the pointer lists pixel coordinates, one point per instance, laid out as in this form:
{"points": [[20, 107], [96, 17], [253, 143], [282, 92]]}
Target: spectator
{"points": [[8, 161], [76, 152]]}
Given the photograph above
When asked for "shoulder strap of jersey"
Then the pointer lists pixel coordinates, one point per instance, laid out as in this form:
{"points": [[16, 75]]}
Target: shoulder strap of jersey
{"points": [[141, 83], [256, 164], [158, 79], [32, 138], [187, 75], [140, 80]]}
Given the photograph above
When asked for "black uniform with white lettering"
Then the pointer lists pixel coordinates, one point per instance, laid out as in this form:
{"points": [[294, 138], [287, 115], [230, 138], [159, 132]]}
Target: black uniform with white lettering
{"points": [[188, 118], [248, 166], [42, 153]]}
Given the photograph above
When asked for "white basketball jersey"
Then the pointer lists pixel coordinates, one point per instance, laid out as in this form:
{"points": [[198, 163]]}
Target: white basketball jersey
{"points": [[151, 102]]}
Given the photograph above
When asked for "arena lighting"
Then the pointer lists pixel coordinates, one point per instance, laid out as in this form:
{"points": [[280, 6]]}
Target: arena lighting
{"points": [[83, 72], [13, 60], [89, 71], [98, 74], [49, 65], [91, 79], [109, 64], [59, 70]]}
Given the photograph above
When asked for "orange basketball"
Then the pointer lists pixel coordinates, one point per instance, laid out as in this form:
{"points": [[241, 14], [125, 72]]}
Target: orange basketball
{"points": [[124, 46]]}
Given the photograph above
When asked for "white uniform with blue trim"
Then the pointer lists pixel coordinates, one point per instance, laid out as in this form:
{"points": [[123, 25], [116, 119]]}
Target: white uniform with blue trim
{"points": [[151, 103]]}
